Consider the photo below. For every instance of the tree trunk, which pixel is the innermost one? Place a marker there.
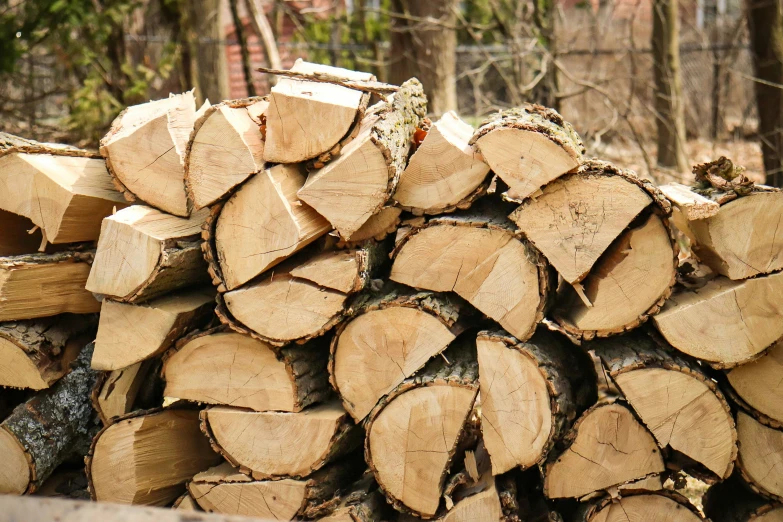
(239, 31)
(546, 90)
(208, 64)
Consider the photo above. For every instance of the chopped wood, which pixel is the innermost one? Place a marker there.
(357, 184)
(145, 151)
(484, 505)
(692, 204)
(18, 235)
(760, 458)
(527, 147)
(144, 253)
(733, 501)
(377, 228)
(757, 387)
(186, 503)
(661, 506)
(131, 333)
(323, 76)
(115, 394)
(225, 148)
(725, 323)
(362, 502)
(147, 458)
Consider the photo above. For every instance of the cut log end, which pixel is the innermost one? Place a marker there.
(760, 459)
(15, 471)
(665, 507)
(758, 385)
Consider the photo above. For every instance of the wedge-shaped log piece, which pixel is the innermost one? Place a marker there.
(679, 404)
(606, 447)
(445, 172)
(128, 333)
(759, 387)
(725, 323)
(281, 444)
(224, 490)
(36, 353)
(304, 297)
(144, 253)
(629, 283)
(691, 204)
(64, 190)
(760, 459)
(225, 148)
(148, 458)
(263, 223)
(18, 235)
(527, 147)
(145, 151)
(306, 119)
(531, 392)
(733, 501)
(477, 256)
(233, 369)
(394, 334)
(662, 506)
(42, 285)
(484, 505)
(356, 185)
(412, 434)
(115, 394)
(578, 216)
(186, 503)
(51, 427)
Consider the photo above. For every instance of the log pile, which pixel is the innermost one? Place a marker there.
(321, 305)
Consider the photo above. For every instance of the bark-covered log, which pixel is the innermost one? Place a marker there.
(757, 388)
(362, 502)
(663, 506)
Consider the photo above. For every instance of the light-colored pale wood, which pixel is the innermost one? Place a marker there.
(145, 151)
(610, 448)
(117, 393)
(760, 458)
(443, 171)
(306, 119)
(15, 471)
(147, 459)
(577, 217)
(483, 506)
(128, 333)
(264, 223)
(18, 235)
(186, 503)
(380, 225)
(725, 323)
(644, 508)
(225, 149)
(775, 515)
(336, 270)
(759, 383)
(143, 253)
(692, 204)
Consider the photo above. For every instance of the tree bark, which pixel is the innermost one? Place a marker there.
(239, 30)
(208, 64)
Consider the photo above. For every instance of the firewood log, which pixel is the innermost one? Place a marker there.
(42, 285)
(144, 253)
(394, 334)
(412, 434)
(690, 204)
(36, 353)
(378, 227)
(531, 392)
(130, 333)
(663, 506)
(362, 502)
(145, 151)
(273, 444)
(186, 503)
(225, 148)
(64, 190)
(578, 216)
(527, 147)
(304, 297)
(733, 501)
(444, 173)
(356, 185)
(232, 369)
(607, 447)
(676, 400)
(262, 224)
(725, 323)
(756, 387)
(116, 393)
(477, 256)
(147, 457)
(18, 235)
(760, 458)
(49, 428)
(307, 119)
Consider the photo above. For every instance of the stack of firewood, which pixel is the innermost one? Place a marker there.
(322, 305)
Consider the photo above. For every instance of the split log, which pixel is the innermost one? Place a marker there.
(307, 119)
(186, 503)
(145, 151)
(377, 228)
(262, 224)
(224, 490)
(733, 501)
(116, 393)
(757, 387)
(51, 427)
(576, 217)
(232, 369)
(760, 458)
(363, 502)
(484, 505)
(64, 190)
(357, 184)
(147, 458)
(444, 173)
(413, 433)
(607, 447)
(725, 323)
(129, 333)
(18, 235)
(144, 253)
(42, 285)
(691, 204)
(393, 335)
(531, 392)
(527, 147)
(629, 283)
(225, 148)
(676, 400)
(663, 506)
(37, 353)
(477, 256)
(304, 297)
(272, 444)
